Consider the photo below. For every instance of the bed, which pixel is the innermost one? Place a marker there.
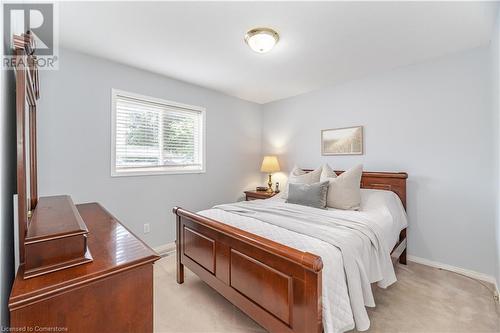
(293, 279)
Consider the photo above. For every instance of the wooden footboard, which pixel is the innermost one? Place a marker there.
(277, 286)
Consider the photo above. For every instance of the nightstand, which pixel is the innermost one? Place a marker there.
(254, 195)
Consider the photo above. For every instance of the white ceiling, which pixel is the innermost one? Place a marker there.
(321, 43)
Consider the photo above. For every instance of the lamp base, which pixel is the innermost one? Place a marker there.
(270, 184)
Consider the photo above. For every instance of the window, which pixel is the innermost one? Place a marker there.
(153, 136)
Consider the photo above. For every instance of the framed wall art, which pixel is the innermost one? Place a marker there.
(342, 141)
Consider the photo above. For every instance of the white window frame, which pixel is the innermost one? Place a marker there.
(161, 170)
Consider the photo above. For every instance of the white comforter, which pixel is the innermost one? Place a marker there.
(351, 244)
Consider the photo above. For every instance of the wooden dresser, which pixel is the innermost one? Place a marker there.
(113, 293)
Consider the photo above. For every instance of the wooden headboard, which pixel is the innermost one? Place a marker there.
(389, 181)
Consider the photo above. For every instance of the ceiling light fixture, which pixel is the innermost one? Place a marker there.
(262, 40)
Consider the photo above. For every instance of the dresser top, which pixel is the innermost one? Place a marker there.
(113, 247)
(54, 216)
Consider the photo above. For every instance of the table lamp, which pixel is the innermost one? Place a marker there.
(269, 165)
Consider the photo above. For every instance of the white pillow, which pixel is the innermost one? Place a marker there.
(299, 176)
(328, 172)
(296, 171)
(344, 191)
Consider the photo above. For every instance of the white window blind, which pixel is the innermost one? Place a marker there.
(153, 136)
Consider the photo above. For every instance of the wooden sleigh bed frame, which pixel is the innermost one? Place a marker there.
(277, 286)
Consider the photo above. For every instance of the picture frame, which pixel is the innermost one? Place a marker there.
(342, 141)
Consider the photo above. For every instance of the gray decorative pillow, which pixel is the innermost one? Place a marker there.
(299, 176)
(313, 195)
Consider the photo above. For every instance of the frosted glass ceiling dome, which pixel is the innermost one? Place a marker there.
(261, 40)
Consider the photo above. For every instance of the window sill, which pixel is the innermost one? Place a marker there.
(153, 172)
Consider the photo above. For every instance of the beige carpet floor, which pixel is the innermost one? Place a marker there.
(424, 299)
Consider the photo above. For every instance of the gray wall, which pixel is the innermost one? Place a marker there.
(74, 145)
(495, 94)
(8, 181)
(432, 120)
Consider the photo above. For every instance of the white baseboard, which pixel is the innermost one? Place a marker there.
(165, 249)
(466, 272)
